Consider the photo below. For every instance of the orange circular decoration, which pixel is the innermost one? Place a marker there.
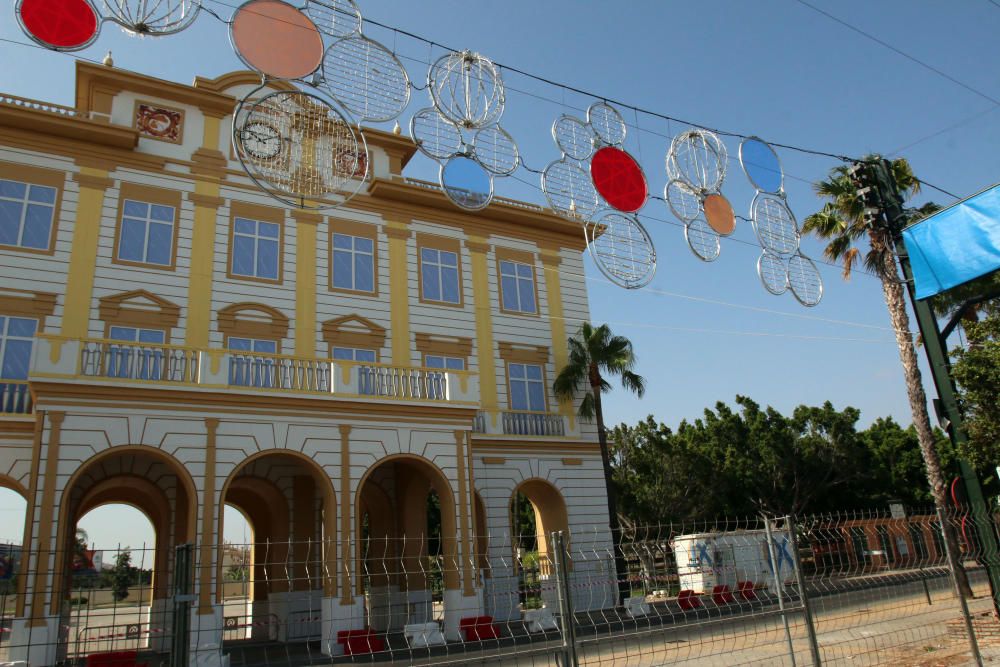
(619, 179)
(719, 214)
(276, 39)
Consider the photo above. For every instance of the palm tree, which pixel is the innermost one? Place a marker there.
(594, 352)
(841, 223)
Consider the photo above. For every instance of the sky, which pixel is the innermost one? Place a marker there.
(923, 84)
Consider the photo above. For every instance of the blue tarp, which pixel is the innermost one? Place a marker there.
(955, 245)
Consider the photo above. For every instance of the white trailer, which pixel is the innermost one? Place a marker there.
(706, 560)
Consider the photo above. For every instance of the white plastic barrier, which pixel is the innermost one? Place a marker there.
(419, 635)
(540, 620)
(637, 606)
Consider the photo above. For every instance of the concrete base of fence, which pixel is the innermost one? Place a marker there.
(458, 606)
(421, 606)
(294, 612)
(160, 621)
(36, 645)
(206, 638)
(501, 597)
(338, 617)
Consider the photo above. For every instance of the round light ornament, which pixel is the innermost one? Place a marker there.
(59, 25)
(156, 18)
(570, 191)
(496, 150)
(467, 89)
(607, 123)
(719, 214)
(366, 78)
(335, 18)
(805, 280)
(466, 182)
(774, 224)
(276, 39)
(761, 165)
(619, 179)
(300, 149)
(698, 158)
(682, 200)
(703, 241)
(574, 138)
(622, 250)
(434, 135)
(773, 273)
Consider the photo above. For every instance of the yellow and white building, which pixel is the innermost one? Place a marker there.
(172, 338)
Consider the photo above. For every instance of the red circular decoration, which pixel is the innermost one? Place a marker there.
(619, 179)
(59, 24)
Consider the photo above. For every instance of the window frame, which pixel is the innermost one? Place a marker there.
(354, 350)
(541, 381)
(440, 244)
(358, 230)
(145, 194)
(31, 175)
(6, 317)
(258, 214)
(517, 257)
(534, 355)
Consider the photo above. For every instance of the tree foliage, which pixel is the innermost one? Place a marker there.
(742, 460)
(977, 372)
(123, 575)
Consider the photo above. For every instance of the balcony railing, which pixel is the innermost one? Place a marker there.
(15, 398)
(521, 422)
(276, 372)
(167, 365)
(138, 361)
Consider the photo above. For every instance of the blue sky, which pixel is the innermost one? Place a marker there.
(774, 68)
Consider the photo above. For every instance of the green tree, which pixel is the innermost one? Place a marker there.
(122, 575)
(842, 223)
(594, 353)
(977, 372)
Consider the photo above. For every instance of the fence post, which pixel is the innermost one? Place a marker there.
(973, 644)
(778, 588)
(568, 623)
(806, 605)
(183, 596)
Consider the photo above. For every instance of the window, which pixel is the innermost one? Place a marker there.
(247, 368)
(447, 363)
(517, 287)
(147, 233)
(256, 246)
(142, 361)
(353, 263)
(354, 354)
(26, 214)
(16, 338)
(436, 381)
(527, 388)
(439, 275)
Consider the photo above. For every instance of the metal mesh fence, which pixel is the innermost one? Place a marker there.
(836, 589)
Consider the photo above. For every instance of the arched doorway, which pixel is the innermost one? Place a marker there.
(289, 504)
(407, 551)
(117, 593)
(13, 506)
(537, 509)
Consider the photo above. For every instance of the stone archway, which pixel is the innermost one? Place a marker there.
(290, 504)
(406, 558)
(152, 482)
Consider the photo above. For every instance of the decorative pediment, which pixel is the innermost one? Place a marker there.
(354, 331)
(253, 320)
(139, 308)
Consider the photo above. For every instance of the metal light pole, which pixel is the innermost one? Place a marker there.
(935, 348)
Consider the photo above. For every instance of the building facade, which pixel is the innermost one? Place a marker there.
(174, 339)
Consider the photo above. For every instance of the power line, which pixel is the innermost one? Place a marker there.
(897, 51)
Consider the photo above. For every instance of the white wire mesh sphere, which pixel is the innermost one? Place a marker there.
(467, 89)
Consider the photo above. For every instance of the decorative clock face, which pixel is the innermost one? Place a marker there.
(261, 141)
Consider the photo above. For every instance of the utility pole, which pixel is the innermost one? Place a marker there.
(879, 177)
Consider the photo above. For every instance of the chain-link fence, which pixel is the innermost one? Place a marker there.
(833, 589)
